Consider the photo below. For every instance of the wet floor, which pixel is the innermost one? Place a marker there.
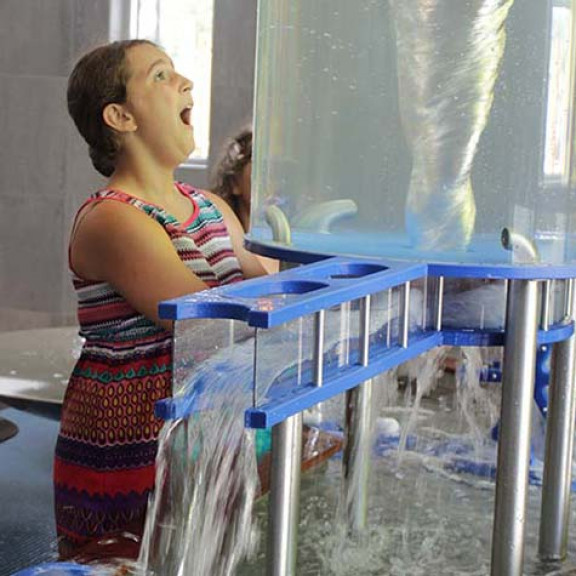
(27, 531)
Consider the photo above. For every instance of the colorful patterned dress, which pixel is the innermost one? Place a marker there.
(104, 465)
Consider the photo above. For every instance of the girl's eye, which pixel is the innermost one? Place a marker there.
(161, 75)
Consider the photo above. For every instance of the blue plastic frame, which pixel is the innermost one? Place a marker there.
(58, 569)
(259, 302)
(271, 301)
(453, 270)
(346, 378)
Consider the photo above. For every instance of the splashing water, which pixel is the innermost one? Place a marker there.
(423, 371)
(199, 520)
(425, 516)
(476, 403)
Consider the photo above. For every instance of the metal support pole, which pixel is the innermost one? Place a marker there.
(439, 304)
(284, 499)
(319, 332)
(515, 426)
(319, 337)
(557, 480)
(425, 296)
(545, 306)
(405, 316)
(390, 319)
(358, 444)
(568, 295)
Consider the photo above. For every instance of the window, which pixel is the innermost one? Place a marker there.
(184, 29)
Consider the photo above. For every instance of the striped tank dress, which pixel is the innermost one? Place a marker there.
(106, 448)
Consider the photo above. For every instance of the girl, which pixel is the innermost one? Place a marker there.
(140, 240)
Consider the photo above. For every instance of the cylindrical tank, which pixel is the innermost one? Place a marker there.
(433, 130)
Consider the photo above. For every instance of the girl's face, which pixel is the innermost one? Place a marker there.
(160, 101)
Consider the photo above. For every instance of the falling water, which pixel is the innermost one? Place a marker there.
(199, 521)
(423, 372)
(428, 513)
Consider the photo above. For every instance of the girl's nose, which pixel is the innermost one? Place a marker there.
(187, 85)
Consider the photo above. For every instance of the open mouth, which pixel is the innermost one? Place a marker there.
(186, 115)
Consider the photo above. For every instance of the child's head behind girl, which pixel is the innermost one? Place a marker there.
(232, 178)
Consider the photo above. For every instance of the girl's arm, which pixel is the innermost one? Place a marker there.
(118, 244)
(251, 264)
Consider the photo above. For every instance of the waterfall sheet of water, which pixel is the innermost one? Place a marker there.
(200, 519)
(428, 513)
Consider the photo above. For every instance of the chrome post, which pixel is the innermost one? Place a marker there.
(365, 330)
(545, 306)
(568, 297)
(284, 499)
(425, 296)
(439, 304)
(318, 357)
(405, 316)
(319, 335)
(515, 426)
(556, 486)
(358, 439)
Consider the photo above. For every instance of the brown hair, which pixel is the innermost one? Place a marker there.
(236, 155)
(98, 79)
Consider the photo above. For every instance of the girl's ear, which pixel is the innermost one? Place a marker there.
(118, 118)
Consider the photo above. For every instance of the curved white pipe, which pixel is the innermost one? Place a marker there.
(524, 249)
(276, 219)
(320, 217)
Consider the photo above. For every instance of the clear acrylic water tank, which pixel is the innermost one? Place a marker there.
(431, 130)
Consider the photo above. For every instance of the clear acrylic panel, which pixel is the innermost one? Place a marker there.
(210, 343)
(417, 130)
(283, 358)
(383, 320)
(474, 303)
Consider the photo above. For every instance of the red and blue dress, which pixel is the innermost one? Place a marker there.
(106, 449)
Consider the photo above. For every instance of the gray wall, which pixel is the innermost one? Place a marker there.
(44, 168)
(44, 171)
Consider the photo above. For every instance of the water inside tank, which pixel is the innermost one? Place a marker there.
(416, 129)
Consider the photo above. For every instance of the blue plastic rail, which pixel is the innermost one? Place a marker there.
(275, 300)
(262, 302)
